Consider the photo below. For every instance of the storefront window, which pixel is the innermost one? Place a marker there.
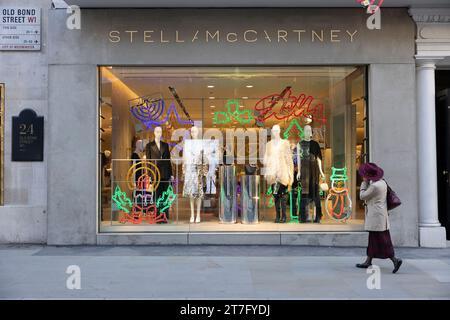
(231, 149)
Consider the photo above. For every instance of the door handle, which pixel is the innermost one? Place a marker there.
(445, 174)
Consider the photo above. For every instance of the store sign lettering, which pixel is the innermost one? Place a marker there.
(246, 36)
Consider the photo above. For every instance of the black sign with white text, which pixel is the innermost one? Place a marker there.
(27, 137)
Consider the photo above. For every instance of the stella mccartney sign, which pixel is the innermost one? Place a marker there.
(244, 36)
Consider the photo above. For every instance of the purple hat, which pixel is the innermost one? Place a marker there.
(371, 171)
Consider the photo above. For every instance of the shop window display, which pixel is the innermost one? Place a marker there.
(231, 149)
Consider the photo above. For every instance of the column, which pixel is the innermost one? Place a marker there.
(431, 233)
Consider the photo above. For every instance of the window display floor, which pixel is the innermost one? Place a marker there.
(327, 225)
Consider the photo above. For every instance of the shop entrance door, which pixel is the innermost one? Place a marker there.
(443, 156)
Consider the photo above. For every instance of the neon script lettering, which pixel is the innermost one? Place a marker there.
(285, 106)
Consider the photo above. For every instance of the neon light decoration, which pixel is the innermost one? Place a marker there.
(166, 199)
(121, 199)
(366, 3)
(298, 199)
(242, 117)
(291, 107)
(139, 214)
(271, 201)
(287, 132)
(338, 203)
(150, 170)
(150, 113)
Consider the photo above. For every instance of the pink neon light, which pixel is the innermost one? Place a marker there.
(371, 3)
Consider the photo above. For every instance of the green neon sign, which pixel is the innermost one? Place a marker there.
(121, 200)
(338, 174)
(166, 199)
(287, 132)
(243, 117)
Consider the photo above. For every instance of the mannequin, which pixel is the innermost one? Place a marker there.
(211, 152)
(155, 150)
(294, 194)
(309, 166)
(106, 167)
(193, 171)
(279, 169)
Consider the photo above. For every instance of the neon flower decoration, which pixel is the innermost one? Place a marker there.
(287, 132)
(286, 106)
(338, 203)
(121, 200)
(151, 113)
(242, 117)
(166, 199)
(366, 3)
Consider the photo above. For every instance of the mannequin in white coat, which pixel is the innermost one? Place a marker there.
(279, 171)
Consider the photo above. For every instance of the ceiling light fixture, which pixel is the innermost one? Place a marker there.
(211, 98)
(249, 86)
(212, 106)
(210, 86)
(244, 98)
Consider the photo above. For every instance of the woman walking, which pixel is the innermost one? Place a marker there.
(373, 192)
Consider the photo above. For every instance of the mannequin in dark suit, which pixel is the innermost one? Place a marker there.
(155, 150)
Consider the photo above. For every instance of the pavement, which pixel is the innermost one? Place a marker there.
(217, 272)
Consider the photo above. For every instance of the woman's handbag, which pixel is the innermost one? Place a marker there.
(393, 201)
(324, 186)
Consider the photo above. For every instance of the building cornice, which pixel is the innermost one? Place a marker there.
(430, 15)
(433, 33)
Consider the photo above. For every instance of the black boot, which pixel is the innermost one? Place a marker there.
(366, 263)
(277, 219)
(317, 219)
(397, 264)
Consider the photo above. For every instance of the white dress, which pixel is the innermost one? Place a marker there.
(193, 169)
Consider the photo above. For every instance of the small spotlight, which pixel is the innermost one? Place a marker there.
(249, 86)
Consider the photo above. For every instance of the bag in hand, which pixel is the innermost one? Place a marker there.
(393, 201)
